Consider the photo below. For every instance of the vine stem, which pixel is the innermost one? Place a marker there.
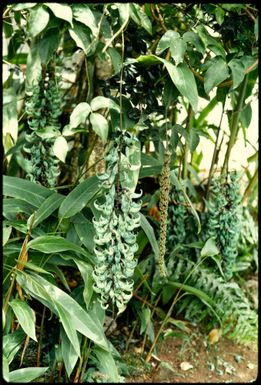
(234, 124)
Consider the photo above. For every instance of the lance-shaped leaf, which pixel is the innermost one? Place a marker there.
(148, 230)
(25, 316)
(26, 374)
(78, 198)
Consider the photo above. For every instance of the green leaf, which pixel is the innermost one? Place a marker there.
(204, 113)
(12, 343)
(219, 13)
(33, 267)
(77, 199)
(6, 234)
(10, 121)
(30, 192)
(246, 115)
(150, 171)
(216, 73)
(193, 140)
(26, 374)
(210, 42)
(21, 6)
(38, 20)
(99, 125)
(69, 355)
(82, 13)
(50, 295)
(82, 37)
(148, 230)
(25, 316)
(54, 244)
(238, 71)
(210, 248)
(33, 66)
(48, 44)
(62, 11)
(5, 369)
(60, 148)
(85, 230)
(184, 80)
(69, 328)
(166, 40)
(49, 205)
(106, 365)
(79, 115)
(193, 38)
(138, 15)
(100, 102)
(115, 59)
(174, 180)
(86, 272)
(256, 28)
(177, 49)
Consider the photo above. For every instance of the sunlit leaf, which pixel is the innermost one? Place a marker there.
(38, 20)
(60, 148)
(25, 316)
(99, 125)
(61, 11)
(26, 374)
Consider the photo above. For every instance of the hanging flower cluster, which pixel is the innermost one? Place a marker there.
(223, 219)
(115, 239)
(43, 110)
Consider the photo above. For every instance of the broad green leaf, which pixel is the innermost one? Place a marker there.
(193, 38)
(62, 11)
(49, 205)
(26, 374)
(5, 369)
(216, 73)
(48, 44)
(12, 343)
(181, 76)
(256, 28)
(115, 59)
(210, 248)
(86, 272)
(100, 125)
(69, 355)
(60, 148)
(25, 316)
(219, 13)
(6, 234)
(82, 13)
(79, 115)
(100, 102)
(33, 67)
(210, 42)
(174, 180)
(77, 199)
(140, 18)
(33, 193)
(33, 267)
(10, 121)
(106, 364)
(82, 37)
(21, 6)
(193, 140)
(148, 230)
(238, 71)
(124, 11)
(86, 232)
(204, 113)
(54, 244)
(166, 40)
(149, 160)
(38, 20)
(69, 327)
(246, 116)
(150, 171)
(50, 295)
(170, 94)
(177, 49)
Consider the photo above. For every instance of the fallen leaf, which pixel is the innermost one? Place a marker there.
(214, 336)
(185, 366)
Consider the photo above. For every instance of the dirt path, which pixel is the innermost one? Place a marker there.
(222, 362)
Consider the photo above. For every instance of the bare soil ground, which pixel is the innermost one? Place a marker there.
(222, 362)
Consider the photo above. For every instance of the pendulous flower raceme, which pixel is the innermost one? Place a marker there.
(43, 110)
(223, 219)
(118, 217)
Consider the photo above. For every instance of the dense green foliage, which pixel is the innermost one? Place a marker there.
(106, 207)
